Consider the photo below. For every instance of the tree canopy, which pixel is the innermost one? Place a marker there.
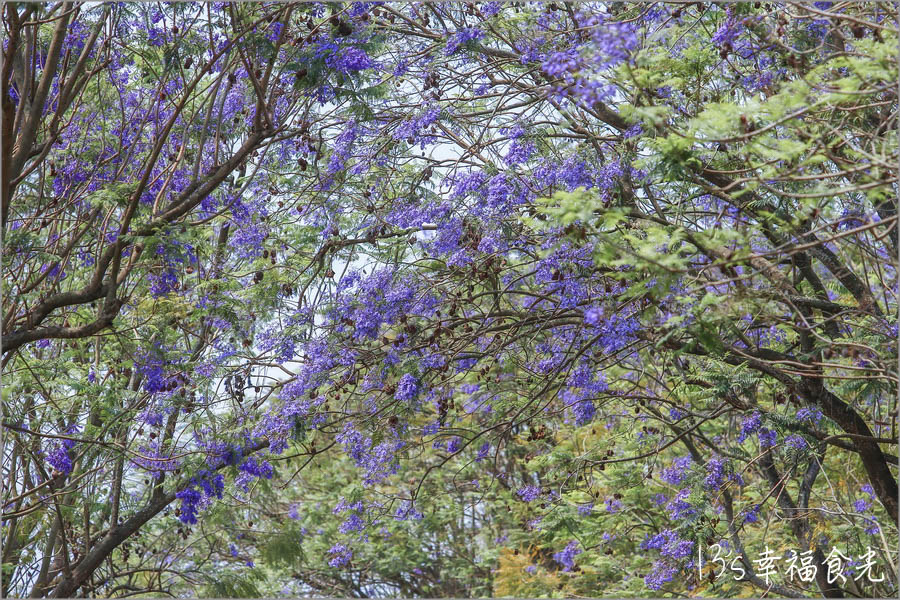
(458, 299)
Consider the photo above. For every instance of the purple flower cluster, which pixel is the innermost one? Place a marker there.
(767, 438)
(752, 514)
(715, 473)
(584, 411)
(529, 493)
(750, 426)
(593, 316)
(454, 444)
(675, 553)
(350, 60)
(407, 511)
(520, 152)
(377, 462)
(614, 41)
(677, 471)
(566, 556)
(462, 37)
(661, 574)
(483, 452)
(414, 129)
(60, 457)
(211, 485)
(353, 522)
(257, 468)
(558, 64)
(151, 458)
(340, 555)
(407, 388)
(809, 414)
(796, 442)
(727, 32)
(343, 144)
(863, 505)
(679, 508)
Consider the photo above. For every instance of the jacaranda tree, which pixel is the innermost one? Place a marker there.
(450, 299)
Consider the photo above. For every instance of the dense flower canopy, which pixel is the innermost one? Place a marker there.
(449, 299)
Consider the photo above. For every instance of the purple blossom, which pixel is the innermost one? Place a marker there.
(670, 545)
(257, 468)
(633, 131)
(407, 388)
(483, 452)
(661, 574)
(679, 507)
(559, 63)
(407, 511)
(593, 316)
(566, 557)
(462, 37)
(752, 515)
(340, 555)
(59, 458)
(520, 151)
(809, 414)
(454, 444)
(342, 146)
(164, 282)
(529, 493)
(350, 60)
(750, 425)
(715, 473)
(675, 474)
(584, 411)
(274, 31)
(211, 485)
(414, 129)
(468, 183)
(613, 505)
(675, 552)
(767, 438)
(795, 441)
(353, 523)
(377, 462)
(190, 500)
(727, 32)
